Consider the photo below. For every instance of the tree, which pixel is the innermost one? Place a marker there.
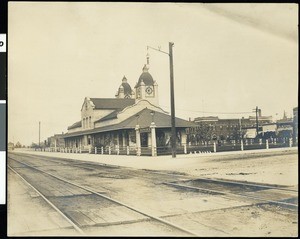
(18, 145)
(34, 145)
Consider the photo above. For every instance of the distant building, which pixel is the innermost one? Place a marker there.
(10, 146)
(56, 141)
(229, 129)
(295, 125)
(285, 127)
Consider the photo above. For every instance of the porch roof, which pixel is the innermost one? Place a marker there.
(142, 118)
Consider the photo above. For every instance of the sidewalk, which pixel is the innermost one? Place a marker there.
(274, 166)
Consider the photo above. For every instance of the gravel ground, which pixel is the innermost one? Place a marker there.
(207, 215)
(273, 166)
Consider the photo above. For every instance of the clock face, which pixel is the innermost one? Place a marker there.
(149, 90)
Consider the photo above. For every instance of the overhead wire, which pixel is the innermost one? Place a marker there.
(209, 112)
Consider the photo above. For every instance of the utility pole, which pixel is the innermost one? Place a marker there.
(256, 118)
(173, 127)
(39, 133)
(173, 130)
(240, 128)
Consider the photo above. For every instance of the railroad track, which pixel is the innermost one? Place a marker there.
(179, 181)
(94, 197)
(187, 179)
(219, 192)
(75, 163)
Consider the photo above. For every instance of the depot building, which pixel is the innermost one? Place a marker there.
(131, 121)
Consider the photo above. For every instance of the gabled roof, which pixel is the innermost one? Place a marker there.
(112, 115)
(75, 125)
(143, 118)
(111, 103)
(161, 120)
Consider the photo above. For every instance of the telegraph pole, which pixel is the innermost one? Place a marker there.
(39, 133)
(256, 119)
(256, 113)
(173, 127)
(173, 130)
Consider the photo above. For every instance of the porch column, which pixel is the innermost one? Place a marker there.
(124, 139)
(117, 138)
(153, 139)
(149, 140)
(138, 140)
(55, 144)
(183, 138)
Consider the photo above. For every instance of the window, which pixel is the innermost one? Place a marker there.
(83, 122)
(90, 122)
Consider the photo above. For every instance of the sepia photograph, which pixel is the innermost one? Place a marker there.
(152, 119)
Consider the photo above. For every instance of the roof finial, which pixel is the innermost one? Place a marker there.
(148, 58)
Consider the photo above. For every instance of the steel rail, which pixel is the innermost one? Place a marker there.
(50, 203)
(193, 178)
(235, 194)
(113, 200)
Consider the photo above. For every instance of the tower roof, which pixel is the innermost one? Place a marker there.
(145, 77)
(125, 86)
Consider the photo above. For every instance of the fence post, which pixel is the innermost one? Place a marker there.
(184, 149)
(102, 150)
(109, 150)
(127, 149)
(215, 147)
(118, 149)
(267, 144)
(95, 150)
(290, 142)
(275, 141)
(90, 150)
(242, 145)
(260, 141)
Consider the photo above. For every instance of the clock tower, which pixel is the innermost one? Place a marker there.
(146, 88)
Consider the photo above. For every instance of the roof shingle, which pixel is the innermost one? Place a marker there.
(144, 120)
(111, 103)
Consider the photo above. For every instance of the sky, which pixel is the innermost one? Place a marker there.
(228, 59)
